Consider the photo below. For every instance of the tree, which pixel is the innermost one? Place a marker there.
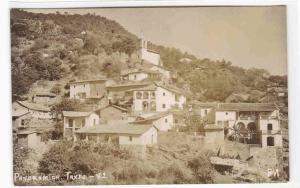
(64, 105)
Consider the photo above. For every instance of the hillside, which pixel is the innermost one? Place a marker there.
(60, 47)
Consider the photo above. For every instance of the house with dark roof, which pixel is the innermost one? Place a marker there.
(121, 133)
(35, 110)
(74, 120)
(253, 123)
(84, 89)
(163, 121)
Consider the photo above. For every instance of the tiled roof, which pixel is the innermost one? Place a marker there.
(146, 88)
(19, 113)
(34, 106)
(151, 117)
(126, 84)
(92, 80)
(170, 88)
(75, 114)
(111, 105)
(196, 104)
(258, 107)
(116, 128)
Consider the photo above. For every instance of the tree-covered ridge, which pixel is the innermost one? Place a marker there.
(61, 46)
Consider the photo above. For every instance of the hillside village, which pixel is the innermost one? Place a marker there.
(145, 108)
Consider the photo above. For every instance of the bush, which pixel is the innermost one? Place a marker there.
(202, 169)
(174, 174)
(130, 173)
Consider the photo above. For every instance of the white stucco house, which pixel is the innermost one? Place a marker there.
(74, 120)
(258, 123)
(83, 89)
(124, 134)
(157, 97)
(163, 121)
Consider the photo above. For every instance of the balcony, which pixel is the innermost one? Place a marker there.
(247, 118)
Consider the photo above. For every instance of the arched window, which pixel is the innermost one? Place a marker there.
(152, 106)
(145, 95)
(145, 106)
(138, 95)
(152, 95)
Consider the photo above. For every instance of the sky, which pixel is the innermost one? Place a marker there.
(246, 36)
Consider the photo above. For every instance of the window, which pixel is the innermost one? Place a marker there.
(145, 95)
(71, 123)
(219, 123)
(134, 77)
(163, 105)
(270, 126)
(205, 112)
(83, 85)
(166, 120)
(139, 95)
(270, 141)
(176, 120)
(94, 121)
(226, 113)
(130, 138)
(83, 122)
(153, 95)
(164, 94)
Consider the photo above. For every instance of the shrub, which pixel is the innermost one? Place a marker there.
(202, 169)
(130, 173)
(174, 174)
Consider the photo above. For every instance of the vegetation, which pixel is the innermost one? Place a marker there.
(61, 45)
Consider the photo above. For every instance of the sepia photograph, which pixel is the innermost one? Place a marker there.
(149, 95)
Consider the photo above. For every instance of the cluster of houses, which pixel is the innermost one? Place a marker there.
(145, 103)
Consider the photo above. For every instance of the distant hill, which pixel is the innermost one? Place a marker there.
(63, 47)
